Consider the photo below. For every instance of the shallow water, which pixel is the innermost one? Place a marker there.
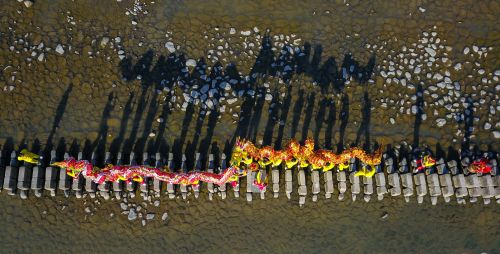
(92, 97)
(271, 225)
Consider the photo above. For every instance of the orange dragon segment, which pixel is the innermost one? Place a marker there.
(246, 153)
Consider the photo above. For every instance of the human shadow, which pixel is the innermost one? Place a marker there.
(344, 119)
(297, 112)
(284, 116)
(115, 146)
(171, 72)
(272, 119)
(308, 116)
(61, 108)
(364, 128)
(330, 124)
(320, 120)
(99, 144)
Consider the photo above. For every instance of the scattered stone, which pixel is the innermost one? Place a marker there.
(170, 47)
(41, 57)
(87, 209)
(431, 51)
(28, 3)
(59, 49)
(132, 215)
(440, 122)
(123, 206)
(191, 63)
(487, 126)
(143, 222)
(164, 216)
(104, 41)
(150, 216)
(496, 134)
(384, 215)
(157, 203)
(414, 109)
(421, 9)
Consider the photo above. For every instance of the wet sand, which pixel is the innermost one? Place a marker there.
(91, 75)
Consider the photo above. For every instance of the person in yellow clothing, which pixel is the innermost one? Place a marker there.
(29, 157)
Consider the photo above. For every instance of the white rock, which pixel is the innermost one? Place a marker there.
(191, 63)
(440, 122)
(231, 101)
(487, 126)
(164, 216)
(232, 30)
(421, 9)
(438, 76)
(123, 206)
(431, 51)
(59, 49)
(246, 33)
(41, 56)
(210, 104)
(132, 215)
(224, 85)
(170, 46)
(466, 50)
(392, 120)
(414, 109)
(104, 41)
(269, 97)
(28, 3)
(150, 216)
(496, 134)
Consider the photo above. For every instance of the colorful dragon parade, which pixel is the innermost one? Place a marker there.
(246, 156)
